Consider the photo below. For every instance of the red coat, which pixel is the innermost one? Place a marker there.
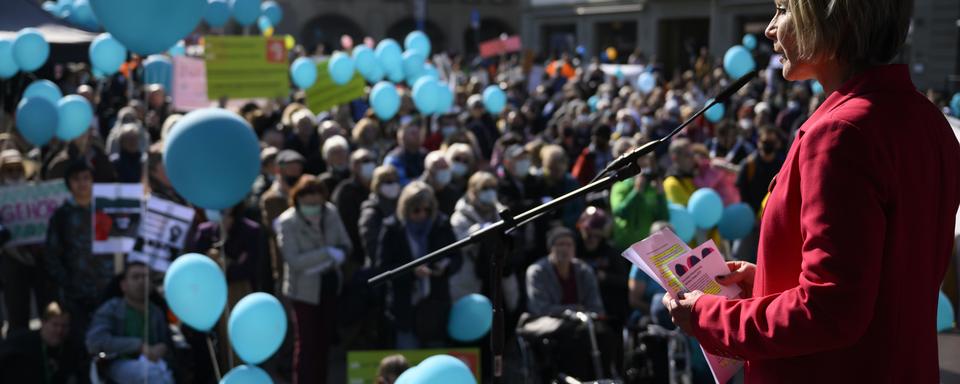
(854, 244)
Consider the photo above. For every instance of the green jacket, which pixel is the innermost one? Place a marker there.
(634, 212)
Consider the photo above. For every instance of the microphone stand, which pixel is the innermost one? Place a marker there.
(624, 167)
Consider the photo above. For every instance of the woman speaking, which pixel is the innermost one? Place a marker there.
(858, 228)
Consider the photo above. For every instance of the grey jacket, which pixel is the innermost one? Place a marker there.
(544, 292)
(304, 250)
(106, 330)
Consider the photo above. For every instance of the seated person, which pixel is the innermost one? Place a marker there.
(43, 355)
(117, 330)
(391, 367)
(561, 281)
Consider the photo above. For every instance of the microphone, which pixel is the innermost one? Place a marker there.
(632, 156)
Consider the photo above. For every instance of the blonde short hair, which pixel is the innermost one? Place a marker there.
(861, 33)
(380, 173)
(416, 193)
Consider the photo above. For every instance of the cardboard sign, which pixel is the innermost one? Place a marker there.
(189, 84)
(26, 209)
(116, 216)
(163, 233)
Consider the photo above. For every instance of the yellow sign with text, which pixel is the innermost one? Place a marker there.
(241, 67)
(325, 94)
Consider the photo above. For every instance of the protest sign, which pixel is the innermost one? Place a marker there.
(496, 47)
(116, 216)
(26, 209)
(362, 365)
(163, 233)
(189, 84)
(325, 94)
(246, 67)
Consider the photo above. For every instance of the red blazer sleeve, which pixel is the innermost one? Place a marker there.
(842, 230)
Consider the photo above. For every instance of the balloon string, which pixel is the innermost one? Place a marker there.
(213, 359)
(226, 308)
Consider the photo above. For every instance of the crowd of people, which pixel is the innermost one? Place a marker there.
(342, 196)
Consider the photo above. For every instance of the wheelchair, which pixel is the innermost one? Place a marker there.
(549, 348)
(656, 355)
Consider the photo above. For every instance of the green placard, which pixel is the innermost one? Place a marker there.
(325, 94)
(242, 67)
(362, 365)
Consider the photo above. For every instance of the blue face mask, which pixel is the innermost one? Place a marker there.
(419, 228)
(311, 210)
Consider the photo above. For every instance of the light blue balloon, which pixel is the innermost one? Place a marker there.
(444, 369)
(385, 100)
(272, 11)
(945, 314)
(148, 26)
(738, 61)
(217, 13)
(75, 117)
(494, 99)
(107, 54)
(431, 71)
(51, 7)
(646, 82)
(365, 61)
(737, 221)
(212, 176)
(8, 67)
(64, 7)
(178, 49)
(412, 66)
(816, 88)
(750, 41)
(303, 71)
(375, 75)
(706, 207)
(425, 95)
(592, 102)
(470, 318)
(716, 112)
(195, 289)
(395, 75)
(954, 104)
(30, 50)
(158, 69)
(263, 23)
(257, 327)
(408, 377)
(682, 222)
(619, 74)
(417, 41)
(82, 15)
(340, 68)
(390, 56)
(445, 97)
(246, 374)
(45, 89)
(245, 12)
(37, 120)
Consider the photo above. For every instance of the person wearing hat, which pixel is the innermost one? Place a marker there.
(288, 171)
(560, 280)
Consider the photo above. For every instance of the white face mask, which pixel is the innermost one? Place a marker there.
(459, 169)
(624, 128)
(745, 124)
(366, 170)
(390, 190)
(487, 196)
(442, 177)
(521, 168)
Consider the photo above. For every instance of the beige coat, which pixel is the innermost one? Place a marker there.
(305, 254)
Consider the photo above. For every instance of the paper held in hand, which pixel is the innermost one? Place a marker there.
(670, 262)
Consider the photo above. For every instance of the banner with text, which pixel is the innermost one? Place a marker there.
(241, 67)
(189, 84)
(325, 94)
(26, 209)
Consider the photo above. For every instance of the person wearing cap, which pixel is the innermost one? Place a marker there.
(594, 247)
(595, 157)
(482, 125)
(268, 170)
(560, 280)
(275, 200)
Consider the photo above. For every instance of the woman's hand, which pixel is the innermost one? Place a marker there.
(742, 274)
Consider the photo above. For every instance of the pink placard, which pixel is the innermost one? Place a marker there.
(189, 84)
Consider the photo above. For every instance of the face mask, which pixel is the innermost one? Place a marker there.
(442, 177)
(448, 131)
(366, 170)
(624, 128)
(340, 168)
(647, 121)
(311, 210)
(459, 169)
(291, 180)
(521, 168)
(390, 190)
(487, 196)
(745, 124)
